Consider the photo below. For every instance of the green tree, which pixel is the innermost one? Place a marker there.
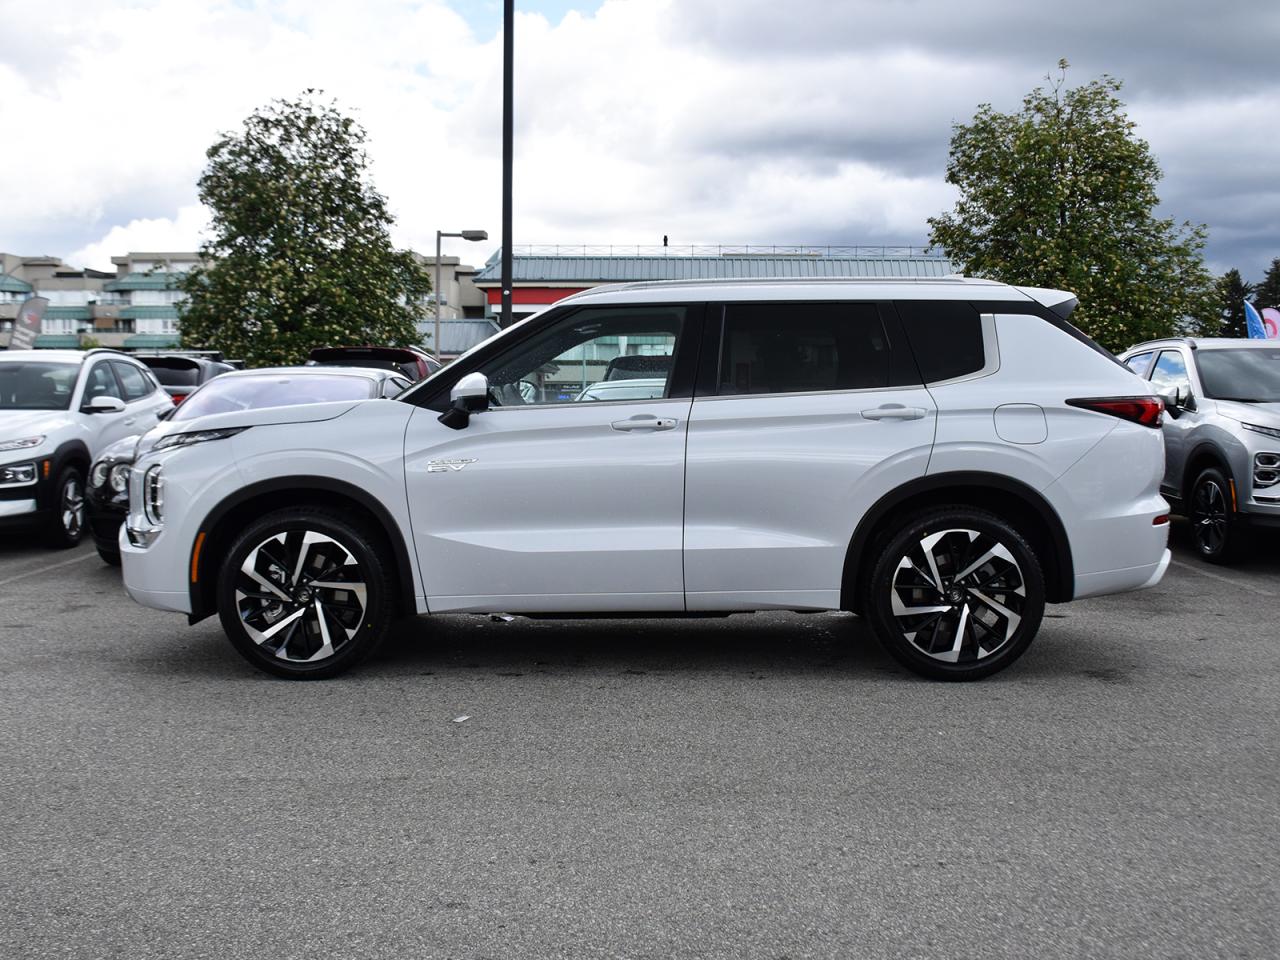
(1233, 291)
(299, 255)
(1062, 194)
(1267, 293)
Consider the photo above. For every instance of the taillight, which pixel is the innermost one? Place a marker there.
(1144, 410)
(178, 398)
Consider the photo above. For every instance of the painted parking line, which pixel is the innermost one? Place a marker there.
(52, 566)
(1214, 576)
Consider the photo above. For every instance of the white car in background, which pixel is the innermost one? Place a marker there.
(58, 410)
(944, 457)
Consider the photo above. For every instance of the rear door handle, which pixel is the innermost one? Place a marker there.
(645, 422)
(129, 421)
(894, 411)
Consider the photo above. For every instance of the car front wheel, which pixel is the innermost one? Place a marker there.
(1218, 532)
(66, 527)
(956, 594)
(305, 593)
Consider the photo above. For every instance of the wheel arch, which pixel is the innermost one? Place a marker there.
(1205, 454)
(69, 453)
(227, 518)
(1034, 516)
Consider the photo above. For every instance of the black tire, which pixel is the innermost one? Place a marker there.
(67, 525)
(1216, 530)
(110, 557)
(1000, 578)
(277, 627)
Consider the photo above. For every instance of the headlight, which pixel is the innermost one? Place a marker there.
(22, 444)
(17, 474)
(119, 477)
(98, 475)
(1265, 431)
(153, 495)
(196, 436)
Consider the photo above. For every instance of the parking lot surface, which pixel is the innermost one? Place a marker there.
(758, 786)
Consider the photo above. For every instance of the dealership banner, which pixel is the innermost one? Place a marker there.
(26, 326)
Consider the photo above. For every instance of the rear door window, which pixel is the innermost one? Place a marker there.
(785, 347)
(1139, 363)
(946, 337)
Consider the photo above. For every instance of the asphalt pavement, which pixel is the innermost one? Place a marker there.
(759, 786)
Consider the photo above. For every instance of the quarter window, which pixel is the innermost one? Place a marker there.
(594, 355)
(803, 348)
(946, 337)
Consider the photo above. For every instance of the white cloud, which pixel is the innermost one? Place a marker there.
(157, 234)
(641, 118)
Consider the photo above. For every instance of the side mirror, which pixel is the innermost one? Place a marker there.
(104, 405)
(1175, 401)
(469, 395)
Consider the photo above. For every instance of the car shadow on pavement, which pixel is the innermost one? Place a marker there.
(1262, 555)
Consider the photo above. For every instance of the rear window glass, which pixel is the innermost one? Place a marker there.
(228, 394)
(803, 347)
(946, 336)
(177, 376)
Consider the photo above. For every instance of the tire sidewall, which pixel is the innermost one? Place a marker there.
(895, 547)
(59, 537)
(1232, 534)
(366, 550)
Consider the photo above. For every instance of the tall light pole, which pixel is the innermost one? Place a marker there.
(508, 104)
(465, 235)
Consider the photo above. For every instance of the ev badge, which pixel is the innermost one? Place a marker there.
(444, 466)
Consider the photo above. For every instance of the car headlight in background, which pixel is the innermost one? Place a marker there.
(1265, 431)
(17, 474)
(22, 444)
(119, 477)
(98, 475)
(196, 436)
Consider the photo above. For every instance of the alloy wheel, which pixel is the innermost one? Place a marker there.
(301, 596)
(72, 507)
(958, 595)
(1209, 516)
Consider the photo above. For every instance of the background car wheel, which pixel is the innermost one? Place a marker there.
(109, 557)
(66, 528)
(956, 594)
(1219, 535)
(304, 593)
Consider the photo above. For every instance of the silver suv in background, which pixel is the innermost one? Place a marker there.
(1222, 434)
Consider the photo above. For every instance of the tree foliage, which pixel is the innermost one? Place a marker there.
(1233, 291)
(1062, 194)
(1267, 293)
(300, 255)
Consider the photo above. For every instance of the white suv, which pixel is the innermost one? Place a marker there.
(941, 456)
(58, 410)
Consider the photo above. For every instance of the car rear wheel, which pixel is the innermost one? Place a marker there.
(1219, 535)
(956, 594)
(305, 593)
(66, 527)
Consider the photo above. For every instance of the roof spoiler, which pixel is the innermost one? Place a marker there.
(1058, 302)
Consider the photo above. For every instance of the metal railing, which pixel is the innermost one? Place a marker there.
(718, 250)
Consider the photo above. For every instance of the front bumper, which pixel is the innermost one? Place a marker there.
(29, 503)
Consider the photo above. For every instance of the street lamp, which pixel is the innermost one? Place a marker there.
(465, 235)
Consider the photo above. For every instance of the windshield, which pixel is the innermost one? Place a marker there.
(228, 394)
(37, 385)
(1251, 375)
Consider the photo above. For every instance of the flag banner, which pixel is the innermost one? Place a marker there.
(26, 326)
(1271, 323)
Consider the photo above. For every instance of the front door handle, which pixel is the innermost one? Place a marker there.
(645, 422)
(129, 421)
(894, 411)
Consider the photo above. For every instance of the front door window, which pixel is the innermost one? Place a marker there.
(595, 355)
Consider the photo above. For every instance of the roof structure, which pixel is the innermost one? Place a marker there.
(611, 269)
(144, 281)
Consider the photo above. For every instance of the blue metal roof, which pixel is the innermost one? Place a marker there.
(570, 269)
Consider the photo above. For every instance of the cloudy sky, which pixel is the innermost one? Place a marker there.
(749, 121)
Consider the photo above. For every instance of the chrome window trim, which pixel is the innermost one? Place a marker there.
(806, 393)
